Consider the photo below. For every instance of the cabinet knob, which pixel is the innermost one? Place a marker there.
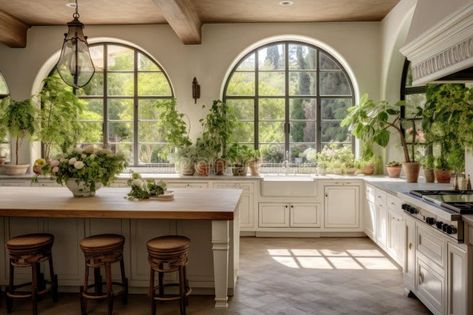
(326, 195)
(292, 206)
(410, 245)
(421, 277)
(285, 206)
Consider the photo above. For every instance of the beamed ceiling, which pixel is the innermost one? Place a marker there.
(184, 16)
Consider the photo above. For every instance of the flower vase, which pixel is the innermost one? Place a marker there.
(82, 189)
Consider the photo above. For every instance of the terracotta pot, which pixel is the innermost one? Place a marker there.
(2, 160)
(394, 171)
(15, 170)
(429, 175)
(368, 169)
(202, 168)
(254, 168)
(350, 171)
(411, 169)
(220, 166)
(239, 170)
(443, 176)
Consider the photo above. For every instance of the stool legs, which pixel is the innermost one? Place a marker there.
(124, 281)
(182, 290)
(54, 282)
(98, 280)
(151, 291)
(34, 287)
(11, 288)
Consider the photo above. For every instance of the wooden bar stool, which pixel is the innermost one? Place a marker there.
(168, 254)
(31, 250)
(102, 251)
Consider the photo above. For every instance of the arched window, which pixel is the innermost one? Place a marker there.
(121, 99)
(411, 94)
(4, 144)
(290, 96)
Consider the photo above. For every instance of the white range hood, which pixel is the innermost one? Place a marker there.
(440, 41)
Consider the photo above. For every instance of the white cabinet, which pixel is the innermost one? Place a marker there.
(430, 285)
(381, 218)
(273, 215)
(342, 208)
(457, 283)
(304, 215)
(295, 215)
(188, 184)
(410, 253)
(396, 230)
(369, 219)
(247, 203)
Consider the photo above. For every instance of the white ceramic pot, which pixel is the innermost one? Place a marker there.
(15, 170)
(80, 188)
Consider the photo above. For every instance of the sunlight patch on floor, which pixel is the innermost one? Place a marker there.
(327, 259)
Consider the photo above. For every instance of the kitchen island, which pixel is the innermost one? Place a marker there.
(208, 217)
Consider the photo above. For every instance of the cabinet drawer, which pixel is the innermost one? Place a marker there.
(186, 184)
(380, 197)
(273, 215)
(431, 246)
(393, 203)
(246, 187)
(430, 286)
(370, 193)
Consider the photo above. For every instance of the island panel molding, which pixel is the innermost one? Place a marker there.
(57, 202)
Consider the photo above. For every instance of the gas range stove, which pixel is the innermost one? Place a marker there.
(460, 201)
(440, 209)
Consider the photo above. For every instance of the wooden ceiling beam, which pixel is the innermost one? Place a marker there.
(183, 18)
(12, 31)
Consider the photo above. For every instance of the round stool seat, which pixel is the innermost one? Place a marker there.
(168, 245)
(103, 243)
(30, 243)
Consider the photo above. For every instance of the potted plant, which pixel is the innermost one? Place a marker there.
(185, 158)
(3, 156)
(254, 162)
(442, 170)
(18, 117)
(218, 127)
(371, 122)
(205, 154)
(394, 169)
(427, 163)
(239, 156)
(347, 159)
(58, 117)
(84, 171)
(173, 128)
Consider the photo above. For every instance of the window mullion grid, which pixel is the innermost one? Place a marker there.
(287, 125)
(135, 110)
(105, 98)
(318, 111)
(256, 103)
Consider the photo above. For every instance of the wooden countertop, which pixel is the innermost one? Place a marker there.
(58, 202)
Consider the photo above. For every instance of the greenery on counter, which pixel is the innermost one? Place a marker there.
(144, 189)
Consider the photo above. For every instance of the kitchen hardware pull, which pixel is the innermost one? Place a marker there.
(410, 245)
(421, 277)
(326, 195)
(292, 206)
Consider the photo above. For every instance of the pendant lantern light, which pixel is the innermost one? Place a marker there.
(75, 66)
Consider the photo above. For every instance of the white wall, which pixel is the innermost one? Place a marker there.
(357, 43)
(394, 29)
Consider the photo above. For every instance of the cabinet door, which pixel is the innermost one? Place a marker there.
(304, 215)
(381, 224)
(192, 184)
(342, 206)
(274, 215)
(430, 286)
(457, 287)
(246, 207)
(369, 219)
(410, 256)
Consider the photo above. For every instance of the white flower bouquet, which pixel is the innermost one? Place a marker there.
(89, 168)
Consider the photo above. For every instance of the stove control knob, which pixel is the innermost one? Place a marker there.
(451, 229)
(439, 224)
(430, 220)
(405, 206)
(414, 210)
(444, 227)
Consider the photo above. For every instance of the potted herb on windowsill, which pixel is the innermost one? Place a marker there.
(254, 162)
(371, 122)
(205, 154)
(394, 169)
(239, 156)
(185, 159)
(427, 163)
(18, 117)
(218, 127)
(442, 171)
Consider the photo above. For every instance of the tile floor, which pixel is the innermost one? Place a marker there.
(292, 276)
